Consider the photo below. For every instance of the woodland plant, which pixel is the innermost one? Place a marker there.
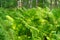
(29, 24)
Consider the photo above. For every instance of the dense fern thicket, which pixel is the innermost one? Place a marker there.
(29, 24)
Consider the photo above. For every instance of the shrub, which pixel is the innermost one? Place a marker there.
(30, 24)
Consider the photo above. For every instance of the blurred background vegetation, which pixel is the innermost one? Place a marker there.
(30, 3)
(29, 19)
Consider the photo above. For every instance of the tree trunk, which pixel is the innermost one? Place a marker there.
(56, 4)
(19, 3)
(36, 3)
(30, 3)
(50, 4)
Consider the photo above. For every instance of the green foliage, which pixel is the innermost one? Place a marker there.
(29, 24)
(8, 3)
